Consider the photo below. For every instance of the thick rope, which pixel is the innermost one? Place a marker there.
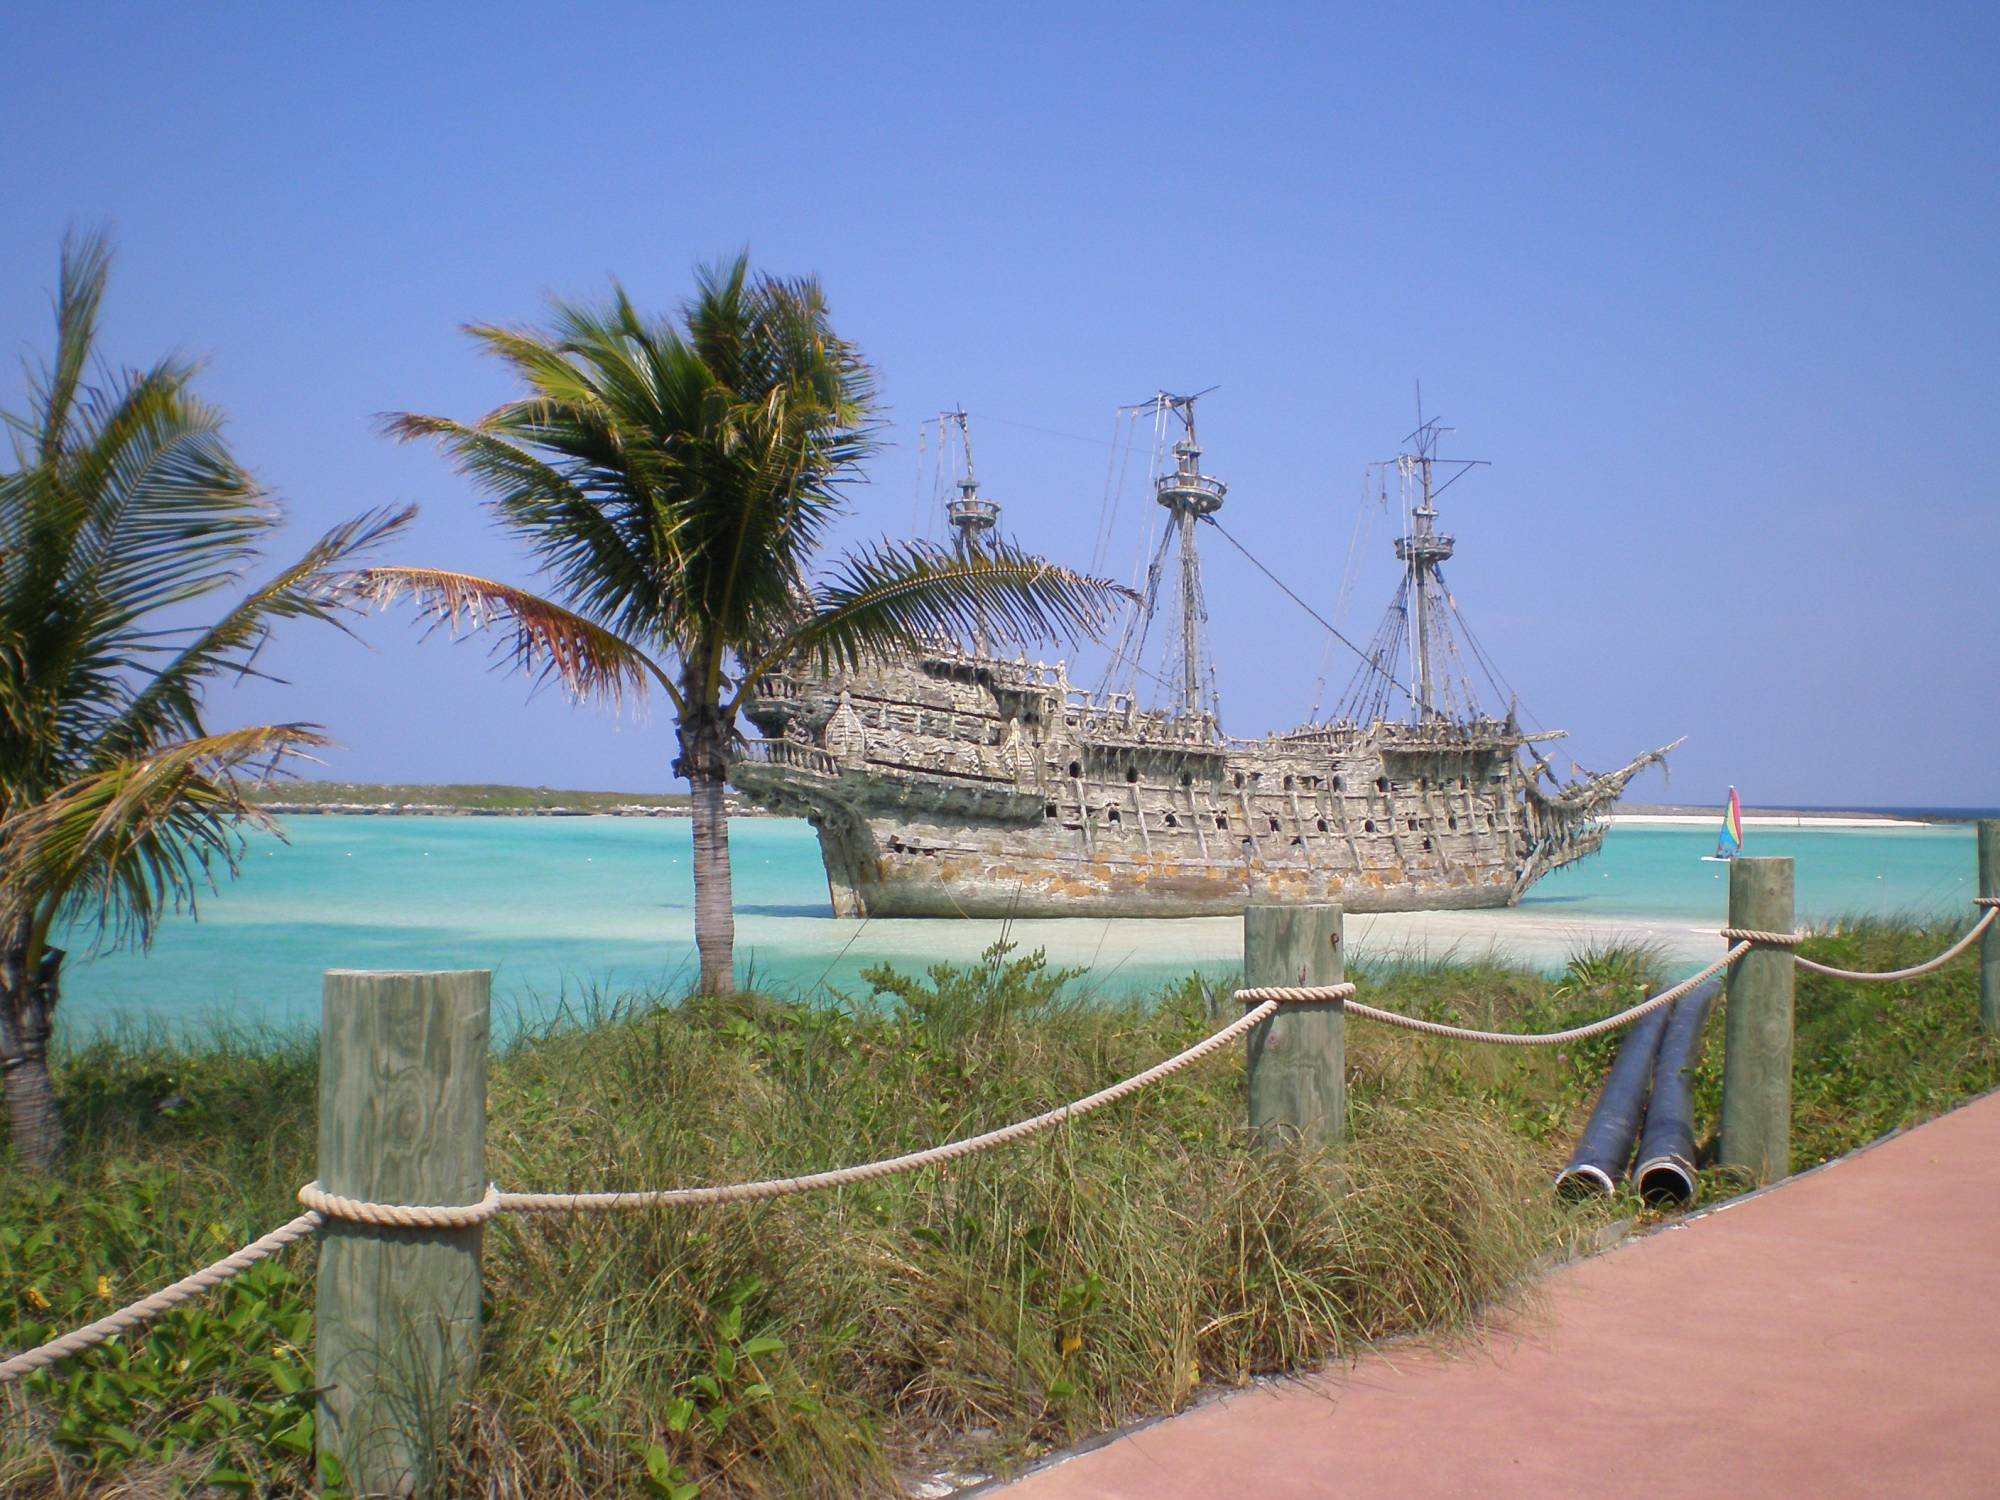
(1554, 1038)
(1294, 994)
(1761, 939)
(780, 1187)
(165, 1299)
(1986, 919)
(399, 1215)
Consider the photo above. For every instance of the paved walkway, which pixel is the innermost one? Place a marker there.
(1839, 1336)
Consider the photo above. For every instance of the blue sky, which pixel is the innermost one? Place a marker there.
(1713, 288)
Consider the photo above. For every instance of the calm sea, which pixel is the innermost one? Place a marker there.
(564, 909)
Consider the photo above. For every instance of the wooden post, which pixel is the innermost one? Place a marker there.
(1298, 1058)
(1757, 1031)
(402, 1120)
(1989, 941)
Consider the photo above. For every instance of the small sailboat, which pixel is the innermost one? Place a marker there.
(1729, 843)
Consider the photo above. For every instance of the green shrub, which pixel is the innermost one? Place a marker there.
(839, 1343)
(218, 1391)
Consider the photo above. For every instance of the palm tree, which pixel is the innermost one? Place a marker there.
(122, 508)
(677, 478)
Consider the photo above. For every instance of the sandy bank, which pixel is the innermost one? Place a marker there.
(1767, 820)
(1523, 936)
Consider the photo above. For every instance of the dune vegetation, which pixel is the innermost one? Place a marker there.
(952, 1322)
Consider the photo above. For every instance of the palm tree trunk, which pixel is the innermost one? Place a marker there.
(28, 994)
(704, 760)
(714, 897)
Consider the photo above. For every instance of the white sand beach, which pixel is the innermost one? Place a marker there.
(1521, 935)
(1767, 820)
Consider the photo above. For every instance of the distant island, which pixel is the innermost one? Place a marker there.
(469, 800)
(1802, 817)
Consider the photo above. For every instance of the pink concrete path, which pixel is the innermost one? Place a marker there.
(1839, 1336)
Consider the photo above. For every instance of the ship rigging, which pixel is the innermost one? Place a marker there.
(948, 781)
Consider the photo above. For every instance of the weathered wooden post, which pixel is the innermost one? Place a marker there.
(1298, 1058)
(1757, 1030)
(402, 1120)
(1989, 941)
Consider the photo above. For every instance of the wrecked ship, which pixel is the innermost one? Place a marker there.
(956, 782)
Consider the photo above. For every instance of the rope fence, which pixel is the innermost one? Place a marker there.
(1554, 1038)
(742, 1192)
(165, 1300)
(1750, 936)
(1266, 1002)
(321, 1205)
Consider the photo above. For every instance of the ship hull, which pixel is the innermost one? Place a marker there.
(953, 785)
(995, 873)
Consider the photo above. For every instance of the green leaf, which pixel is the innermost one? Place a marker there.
(123, 1437)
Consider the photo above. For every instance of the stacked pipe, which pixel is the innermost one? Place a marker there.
(1666, 1148)
(1647, 1100)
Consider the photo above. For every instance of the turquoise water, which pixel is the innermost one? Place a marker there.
(566, 908)
(1658, 872)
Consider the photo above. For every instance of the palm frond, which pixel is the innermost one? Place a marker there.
(86, 268)
(548, 641)
(166, 512)
(316, 586)
(137, 838)
(602, 553)
(674, 476)
(904, 594)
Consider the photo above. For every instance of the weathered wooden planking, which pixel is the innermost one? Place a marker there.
(1757, 1026)
(1989, 942)
(403, 1121)
(1298, 1058)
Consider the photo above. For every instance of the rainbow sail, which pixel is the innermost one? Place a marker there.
(1730, 843)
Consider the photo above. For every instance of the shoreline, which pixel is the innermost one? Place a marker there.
(464, 800)
(1768, 820)
(666, 810)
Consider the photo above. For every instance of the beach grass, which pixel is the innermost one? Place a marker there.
(956, 1321)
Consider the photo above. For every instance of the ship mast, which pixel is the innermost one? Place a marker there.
(1188, 495)
(971, 515)
(1423, 621)
(1421, 551)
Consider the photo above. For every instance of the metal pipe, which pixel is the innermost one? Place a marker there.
(1605, 1147)
(1666, 1171)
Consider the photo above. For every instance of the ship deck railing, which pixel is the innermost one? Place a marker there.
(781, 686)
(790, 754)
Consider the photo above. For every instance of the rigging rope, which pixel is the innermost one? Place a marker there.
(1495, 678)
(1319, 618)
